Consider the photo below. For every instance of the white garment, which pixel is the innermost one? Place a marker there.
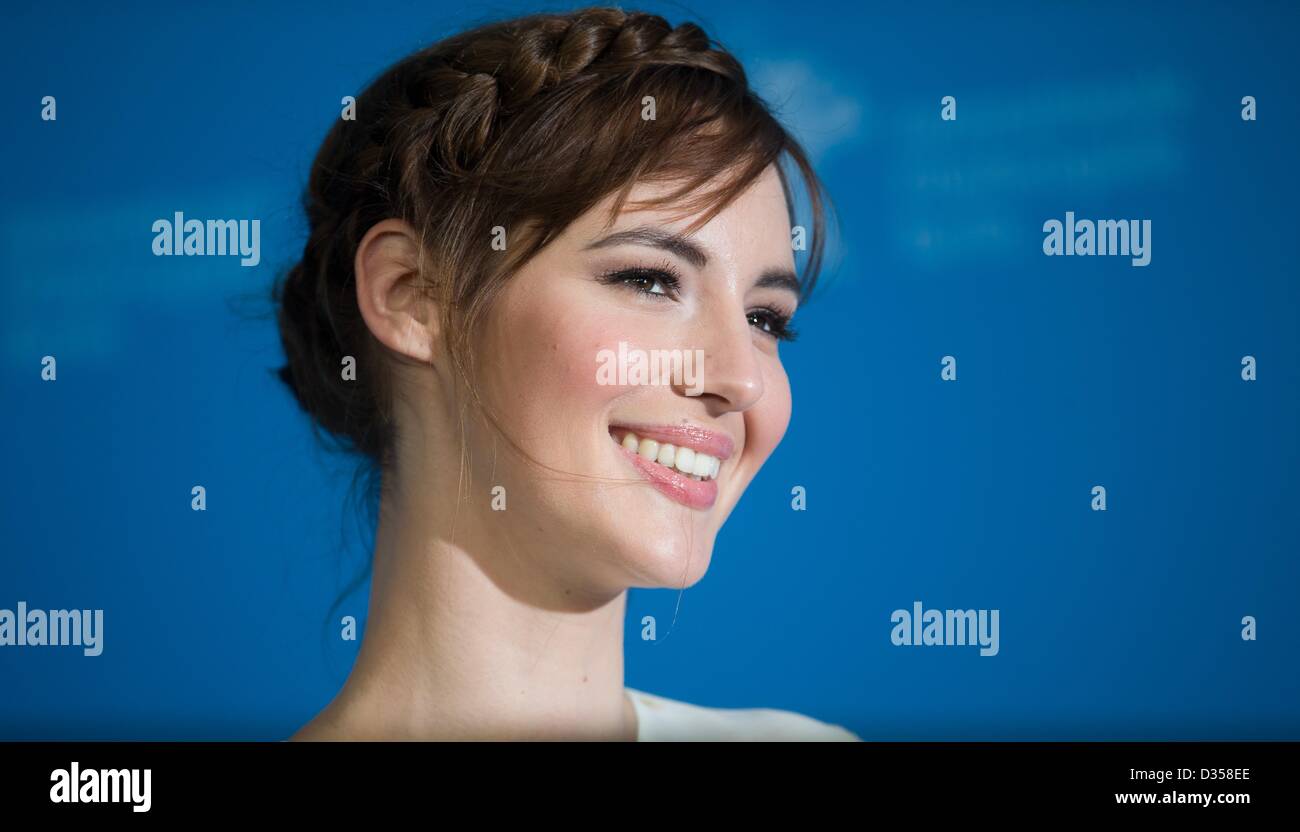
(660, 719)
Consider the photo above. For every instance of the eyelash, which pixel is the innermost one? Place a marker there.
(670, 278)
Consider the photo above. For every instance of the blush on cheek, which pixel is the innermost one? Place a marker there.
(573, 346)
(545, 376)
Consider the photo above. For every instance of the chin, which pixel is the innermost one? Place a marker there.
(675, 561)
(629, 535)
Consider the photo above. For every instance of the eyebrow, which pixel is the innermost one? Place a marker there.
(692, 253)
(779, 279)
(647, 235)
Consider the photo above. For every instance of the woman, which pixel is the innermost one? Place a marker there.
(509, 210)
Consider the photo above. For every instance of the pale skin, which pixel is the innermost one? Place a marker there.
(488, 624)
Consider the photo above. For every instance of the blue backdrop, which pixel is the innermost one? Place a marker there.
(1073, 372)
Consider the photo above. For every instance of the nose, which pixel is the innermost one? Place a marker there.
(730, 376)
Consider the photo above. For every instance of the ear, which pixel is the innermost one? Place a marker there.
(393, 304)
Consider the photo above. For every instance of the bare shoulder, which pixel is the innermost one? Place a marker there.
(318, 730)
(329, 725)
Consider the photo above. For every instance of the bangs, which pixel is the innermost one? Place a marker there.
(707, 136)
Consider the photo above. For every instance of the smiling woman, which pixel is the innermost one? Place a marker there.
(639, 187)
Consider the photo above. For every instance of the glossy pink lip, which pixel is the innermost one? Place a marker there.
(697, 494)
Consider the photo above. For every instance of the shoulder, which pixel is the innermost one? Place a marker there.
(663, 719)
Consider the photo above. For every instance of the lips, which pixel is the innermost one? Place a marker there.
(698, 452)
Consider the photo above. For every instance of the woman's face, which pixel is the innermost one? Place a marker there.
(560, 362)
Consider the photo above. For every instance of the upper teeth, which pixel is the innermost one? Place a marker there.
(690, 462)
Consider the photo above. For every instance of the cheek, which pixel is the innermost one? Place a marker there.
(541, 369)
(767, 420)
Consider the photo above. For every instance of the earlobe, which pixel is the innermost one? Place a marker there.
(395, 306)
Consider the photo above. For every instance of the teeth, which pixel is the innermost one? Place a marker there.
(686, 460)
(667, 453)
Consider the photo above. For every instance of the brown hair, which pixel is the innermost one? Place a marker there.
(524, 124)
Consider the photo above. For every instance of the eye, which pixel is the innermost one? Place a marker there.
(658, 281)
(772, 322)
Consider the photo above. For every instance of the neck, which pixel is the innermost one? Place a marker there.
(472, 638)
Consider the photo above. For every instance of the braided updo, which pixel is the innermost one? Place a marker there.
(524, 124)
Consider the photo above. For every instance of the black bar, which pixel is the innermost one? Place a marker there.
(330, 780)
